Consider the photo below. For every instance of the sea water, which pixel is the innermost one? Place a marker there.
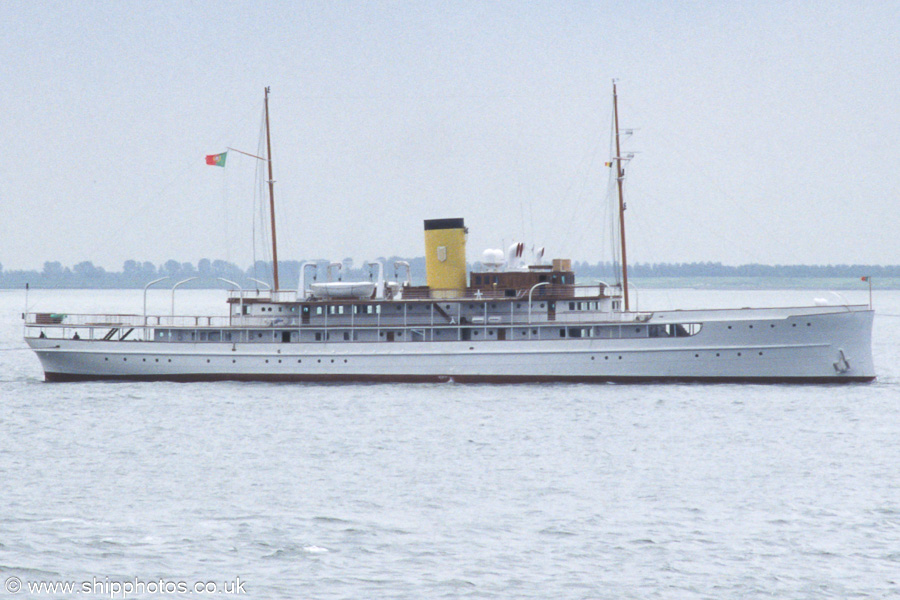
(149, 490)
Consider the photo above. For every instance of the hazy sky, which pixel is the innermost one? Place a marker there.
(765, 131)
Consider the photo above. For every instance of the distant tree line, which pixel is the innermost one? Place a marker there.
(209, 273)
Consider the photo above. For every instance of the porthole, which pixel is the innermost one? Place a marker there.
(808, 324)
(751, 327)
(319, 360)
(760, 353)
(729, 327)
(124, 360)
(170, 360)
(739, 353)
(605, 358)
(233, 361)
(772, 325)
(696, 356)
(717, 354)
(345, 360)
(592, 358)
(207, 360)
(107, 358)
(620, 358)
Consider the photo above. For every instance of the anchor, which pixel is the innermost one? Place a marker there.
(842, 365)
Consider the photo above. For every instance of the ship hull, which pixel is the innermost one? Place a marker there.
(755, 345)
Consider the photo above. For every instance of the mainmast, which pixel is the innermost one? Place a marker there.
(620, 176)
(272, 200)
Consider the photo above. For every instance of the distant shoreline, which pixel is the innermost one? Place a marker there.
(218, 274)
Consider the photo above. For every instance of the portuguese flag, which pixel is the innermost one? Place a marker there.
(216, 160)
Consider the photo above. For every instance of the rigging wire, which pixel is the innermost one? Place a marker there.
(612, 205)
(259, 205)
(578, 196)
(225, 213)
(150, 203)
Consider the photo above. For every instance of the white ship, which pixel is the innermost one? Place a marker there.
(509, 322)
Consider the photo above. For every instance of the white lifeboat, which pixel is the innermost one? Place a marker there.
(343, 289)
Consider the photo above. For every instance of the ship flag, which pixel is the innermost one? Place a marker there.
(216, 160)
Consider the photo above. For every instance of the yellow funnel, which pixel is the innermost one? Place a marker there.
(445, 255)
